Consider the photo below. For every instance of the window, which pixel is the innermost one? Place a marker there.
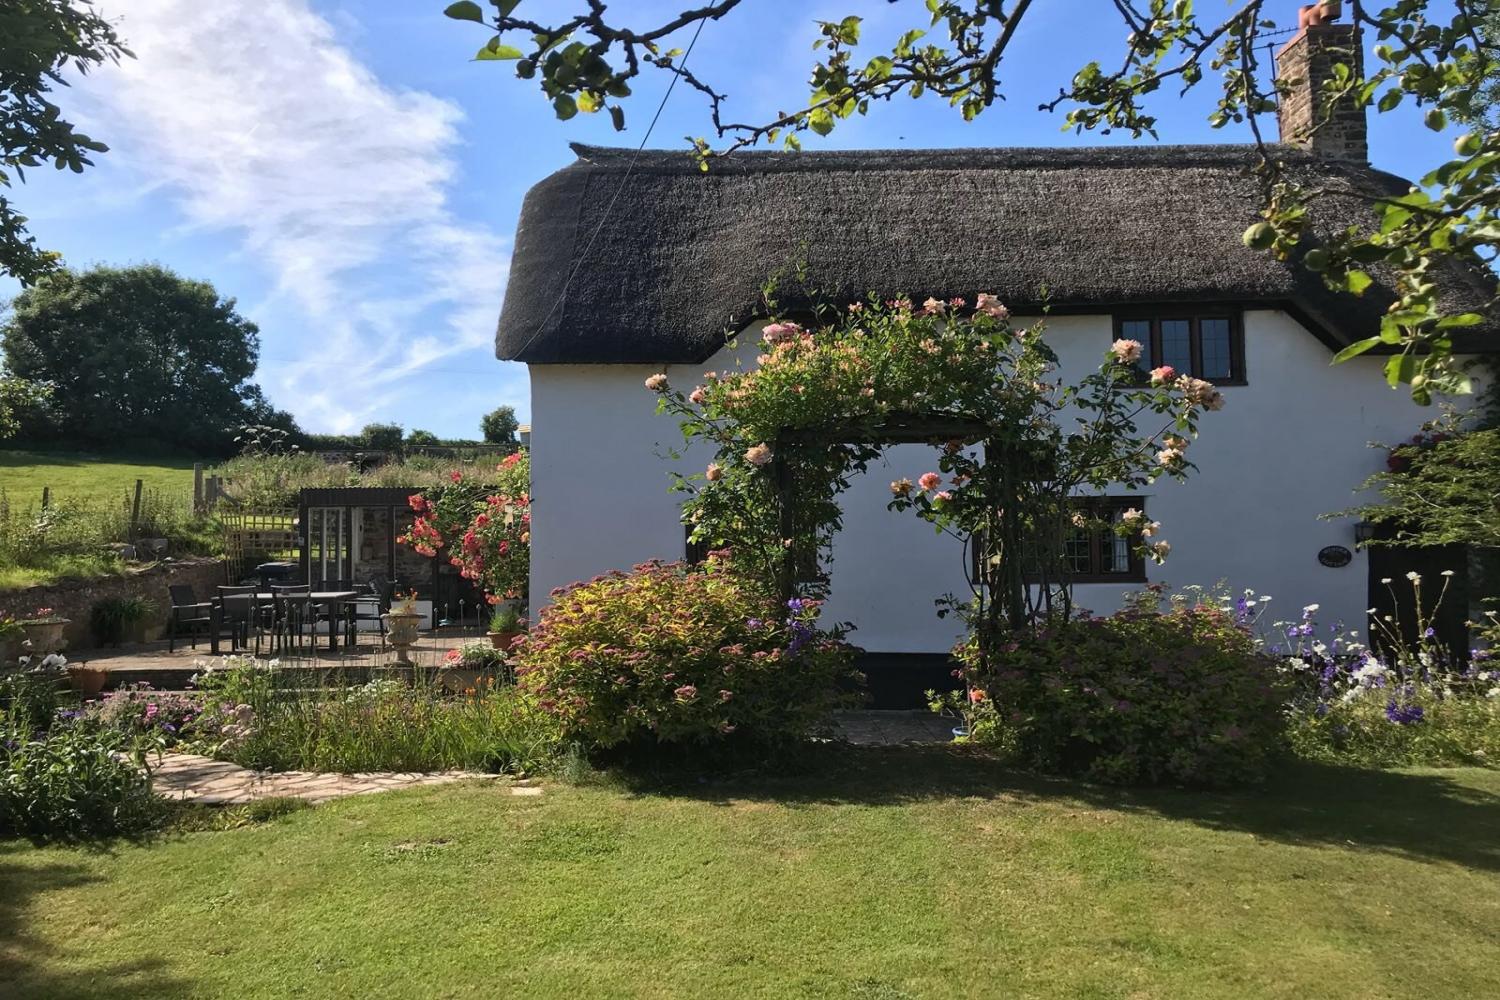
(1205, 345)
(1091, 555)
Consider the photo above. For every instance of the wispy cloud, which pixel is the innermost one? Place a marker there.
(257, 122)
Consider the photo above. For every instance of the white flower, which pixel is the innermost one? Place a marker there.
(1414, 576)
(1310, 609)
(1447, 572)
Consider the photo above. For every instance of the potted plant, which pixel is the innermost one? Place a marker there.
(401, 624)
(44, 631)
(474, 665)
(120, 619)
(86, 680)
(506, 625)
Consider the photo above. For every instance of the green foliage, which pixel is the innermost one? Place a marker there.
(382, 437)
(1459, 726)
(1442, 59)
(39, 41)
(421, 439)
(135, 351)
(115, 618)
(1181, 697)
(668, 654)
(505, 619)
(1442, 487)
(18, 397)
(29, 699)
(273, 482)
(73, 783)
(499, 425)
(262, 716)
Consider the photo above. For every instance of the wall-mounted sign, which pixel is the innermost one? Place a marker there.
(1334, 556)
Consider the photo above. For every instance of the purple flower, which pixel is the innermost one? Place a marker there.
(1403, 715)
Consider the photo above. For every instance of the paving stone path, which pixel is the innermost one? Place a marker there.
(881, 728)
(215, 782)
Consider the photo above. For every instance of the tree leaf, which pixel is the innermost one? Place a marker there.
(1355, 349)
(465, 10)
(1462, 319)
(487, 53)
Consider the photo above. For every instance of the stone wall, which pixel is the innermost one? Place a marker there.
(73, 599)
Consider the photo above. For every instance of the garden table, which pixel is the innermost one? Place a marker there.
(325, 598)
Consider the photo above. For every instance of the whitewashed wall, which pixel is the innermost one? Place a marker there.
(1286, 448)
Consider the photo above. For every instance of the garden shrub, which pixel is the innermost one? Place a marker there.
(674, 654)
(73, 782)
(1142, 697)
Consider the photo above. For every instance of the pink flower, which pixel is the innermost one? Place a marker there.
(990, 305)
(1158, 550)
(1163, 375)
(758, 455)
(697, 396)
(901, 487)
(725, 695)
(1131, 517)
(1169, 458)
(930, 481)
(714, 472)
(943, 495)
(455, 475)
(1127, 352)
(1200, 393)
(685, 694)
(932, 307)
(657, 382)
(1150, 528)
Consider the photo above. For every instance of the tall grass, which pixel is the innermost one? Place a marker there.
(263, 716)
(74, 537)
(272, 482)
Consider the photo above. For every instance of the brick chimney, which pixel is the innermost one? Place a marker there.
(1304, 64)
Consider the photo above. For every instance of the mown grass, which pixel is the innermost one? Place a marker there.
(89, 478)
(872, 874)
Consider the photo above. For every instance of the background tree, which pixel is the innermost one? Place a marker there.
(422, 439)
(135, 353)
(499, 425)
(382, 437)
(39, 40)
(1436, 56)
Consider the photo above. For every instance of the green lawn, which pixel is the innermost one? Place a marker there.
(879, 874)
(89, 478)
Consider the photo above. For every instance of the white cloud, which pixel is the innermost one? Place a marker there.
(259, 123)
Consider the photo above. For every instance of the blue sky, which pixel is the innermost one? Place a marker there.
(349, 175)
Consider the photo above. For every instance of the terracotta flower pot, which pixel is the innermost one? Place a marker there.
(503, 641)
(87, 681)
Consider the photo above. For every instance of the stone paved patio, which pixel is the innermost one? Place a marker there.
(215, 782)
(880, 728)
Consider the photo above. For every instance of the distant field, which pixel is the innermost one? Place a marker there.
(87, 477)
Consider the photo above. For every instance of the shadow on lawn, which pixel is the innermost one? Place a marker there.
(1425, 816)
(28, 965)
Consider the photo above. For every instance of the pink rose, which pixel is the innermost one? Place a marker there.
(657, 382)
(930, 481)
(1127, 352)
(1163, 375)
(697, 396)
(901, 487)
(758, 455)
(714, 473)
(990, 305)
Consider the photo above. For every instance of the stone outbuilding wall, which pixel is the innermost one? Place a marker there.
(73, 599)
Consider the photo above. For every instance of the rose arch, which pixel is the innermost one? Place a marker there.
(1019, 443)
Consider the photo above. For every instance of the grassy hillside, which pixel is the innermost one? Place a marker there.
(88, 478)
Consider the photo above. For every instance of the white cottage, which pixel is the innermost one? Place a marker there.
(1139, 241)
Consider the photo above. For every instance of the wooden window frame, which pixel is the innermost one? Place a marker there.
(1194, 318)
(1136, 571)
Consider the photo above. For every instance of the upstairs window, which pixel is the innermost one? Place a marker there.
(1206, 345)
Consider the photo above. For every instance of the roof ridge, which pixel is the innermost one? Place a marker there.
(1205, 154)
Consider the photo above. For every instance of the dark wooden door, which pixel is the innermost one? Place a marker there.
(1447, 609)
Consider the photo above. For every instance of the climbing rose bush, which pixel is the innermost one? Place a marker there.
(1143, 696)
(675, 654)
(483, 528)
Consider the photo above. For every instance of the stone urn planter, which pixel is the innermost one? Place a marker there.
(401, 632)
(503, 641)
(45, 635)
(86, 680)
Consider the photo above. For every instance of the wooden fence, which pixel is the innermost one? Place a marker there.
(254, 537)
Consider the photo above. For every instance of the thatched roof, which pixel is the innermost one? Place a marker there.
(682, 255)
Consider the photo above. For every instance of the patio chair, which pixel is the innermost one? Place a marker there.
(238, 608)
(188, 615)
(368, 607)
(292, 611)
